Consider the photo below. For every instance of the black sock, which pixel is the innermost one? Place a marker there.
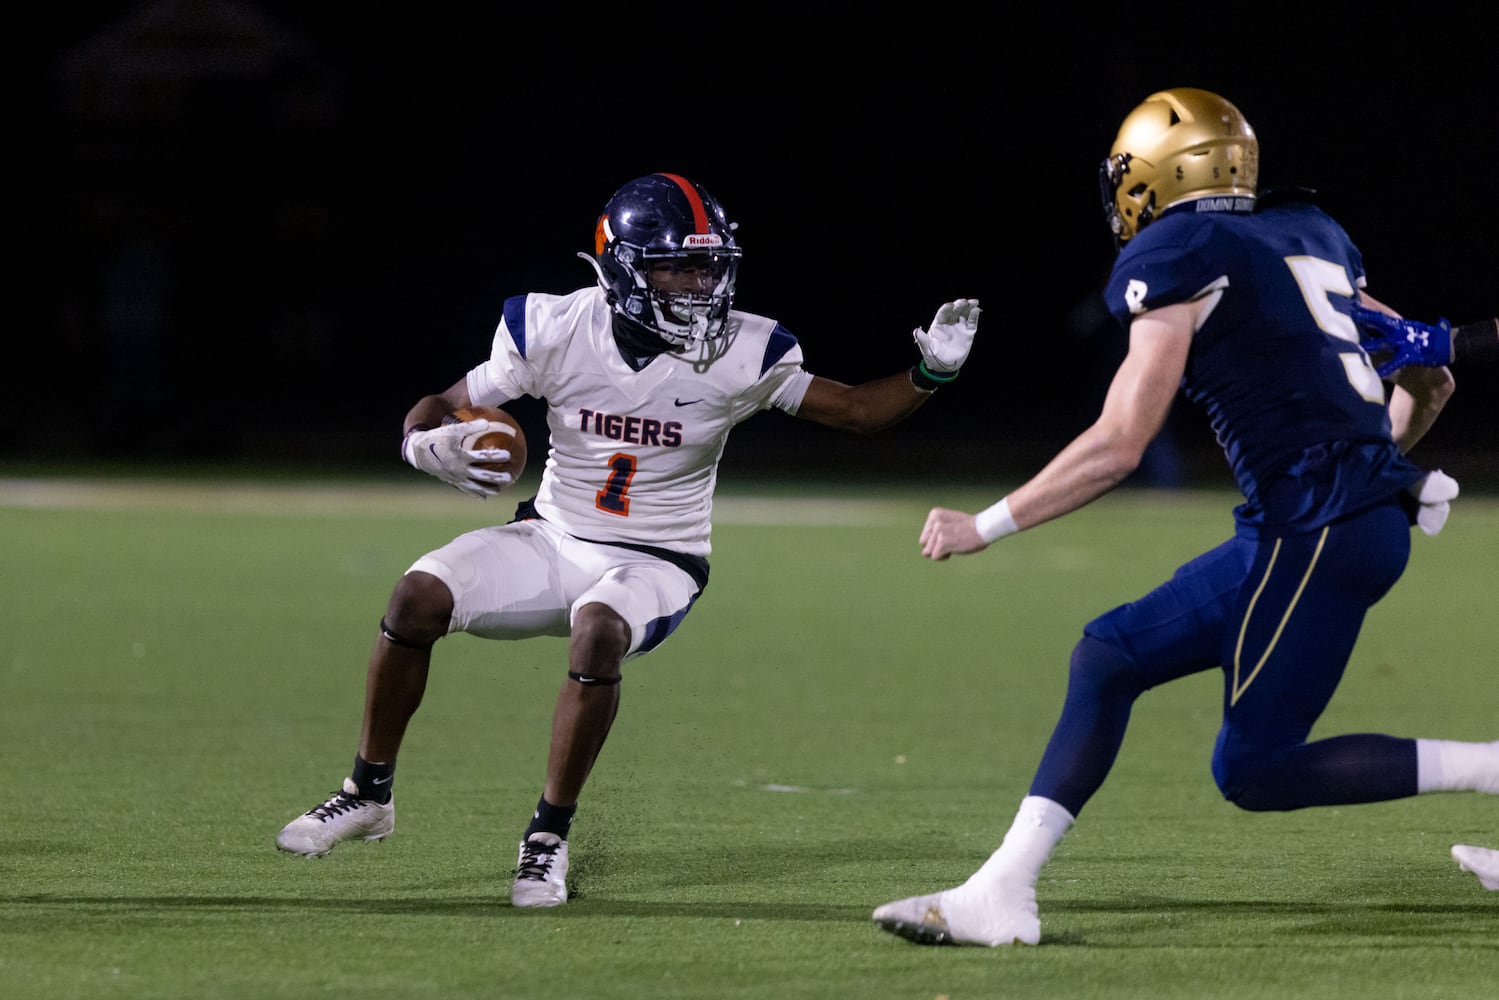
(550, 819)
(373, 780)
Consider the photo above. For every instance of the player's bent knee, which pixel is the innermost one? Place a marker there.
(601, 637)
(420, 610)
(1254, 797)
(1251, 786)
(1103, 667)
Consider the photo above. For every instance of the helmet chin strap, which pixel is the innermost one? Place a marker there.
(636, 343)
(598, 270)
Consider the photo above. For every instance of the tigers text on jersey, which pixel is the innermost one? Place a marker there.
(1276, 366)
(633, 455)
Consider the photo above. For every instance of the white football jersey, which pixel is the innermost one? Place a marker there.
(633, 456)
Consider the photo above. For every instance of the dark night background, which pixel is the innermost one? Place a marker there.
(255, 233)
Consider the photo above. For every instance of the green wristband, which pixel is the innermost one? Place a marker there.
(925, 380)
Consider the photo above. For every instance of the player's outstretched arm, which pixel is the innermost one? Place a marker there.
(1099, 458)
(873, 406)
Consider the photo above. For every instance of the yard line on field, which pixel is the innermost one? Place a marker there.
(335, 500)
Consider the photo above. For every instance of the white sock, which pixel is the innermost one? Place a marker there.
(1453, 766)
(1038, 828)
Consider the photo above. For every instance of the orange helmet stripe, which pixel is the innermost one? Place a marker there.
(699, 210)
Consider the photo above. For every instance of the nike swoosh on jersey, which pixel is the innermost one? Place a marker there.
(685, 402)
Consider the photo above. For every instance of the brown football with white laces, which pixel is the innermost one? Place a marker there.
(509, 437)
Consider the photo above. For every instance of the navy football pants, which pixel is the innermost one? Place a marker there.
(1280, 616)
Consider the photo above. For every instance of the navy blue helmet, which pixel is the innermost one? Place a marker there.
(667, 224)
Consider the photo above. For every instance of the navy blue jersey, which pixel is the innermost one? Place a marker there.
(1276, 367)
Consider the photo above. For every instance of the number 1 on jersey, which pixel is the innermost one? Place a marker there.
(614, 497)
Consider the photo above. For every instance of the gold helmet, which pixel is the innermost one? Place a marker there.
(1174, 146)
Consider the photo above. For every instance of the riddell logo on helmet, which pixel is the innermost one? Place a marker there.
(702, 240)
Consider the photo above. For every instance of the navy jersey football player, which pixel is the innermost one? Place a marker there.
(1244, 307)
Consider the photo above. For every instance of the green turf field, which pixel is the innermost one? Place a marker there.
(838, 723)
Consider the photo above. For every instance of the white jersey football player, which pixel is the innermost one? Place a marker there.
(644, 375)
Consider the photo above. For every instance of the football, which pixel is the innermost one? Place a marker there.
(511, 437)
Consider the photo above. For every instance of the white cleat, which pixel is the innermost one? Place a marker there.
(1481, 861)
(344, 816)
(961, 916)
(540, 872)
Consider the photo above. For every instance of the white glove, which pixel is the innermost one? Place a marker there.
(444, 452)
(1435, 494)
(945, 346)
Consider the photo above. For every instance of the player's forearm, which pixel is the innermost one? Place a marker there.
(1092, 465)
(429, 410)
(1417, 401)
(865, 408)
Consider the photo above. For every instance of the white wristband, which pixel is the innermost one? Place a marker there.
(994, 523)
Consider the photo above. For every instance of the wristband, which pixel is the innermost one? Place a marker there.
(1476, 341)
(407, 437)
(927, 381)
(994, 523)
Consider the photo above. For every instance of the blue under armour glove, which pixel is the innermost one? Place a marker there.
(1402, 342)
